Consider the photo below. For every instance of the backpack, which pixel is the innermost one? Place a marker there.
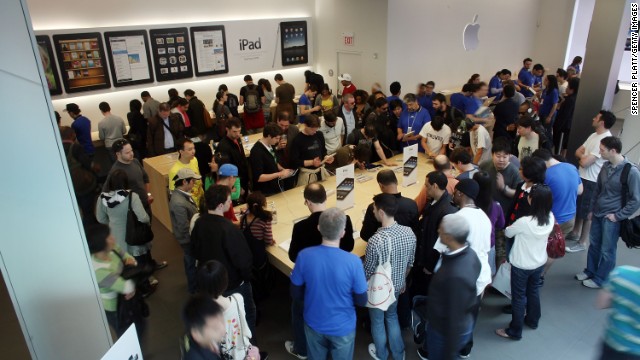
(629, 228)
(252, 103)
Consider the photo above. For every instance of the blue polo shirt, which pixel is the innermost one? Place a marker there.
(330, 276)
(527, 78)
(472, 104)
(304, 100)
(563, 180)
(426, 101)
(416, 120)
(550, 98)
(82, 126)
(495, 83)
(458, 101)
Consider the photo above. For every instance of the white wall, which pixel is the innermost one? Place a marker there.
(583, 13)
(48, 15)
(425, 40)
(367, 20)
(43, 256)
(552, 33)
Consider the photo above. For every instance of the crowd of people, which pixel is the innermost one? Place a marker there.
(500, 187)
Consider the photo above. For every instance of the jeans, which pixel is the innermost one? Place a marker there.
(189, 268)
(249, 305)
(297, 324)
(436, 344)
(525, 299)
(385, 323)
(601, 258)
(319, 345)
(466, 349)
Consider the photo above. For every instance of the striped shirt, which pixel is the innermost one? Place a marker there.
(398, 239)
(623, 328)
(261, 230)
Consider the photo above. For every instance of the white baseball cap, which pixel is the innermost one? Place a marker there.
(345, 77)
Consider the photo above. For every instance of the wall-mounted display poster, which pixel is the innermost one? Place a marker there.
(82, 61)
(294, 45)
(129, 57)
(49, 65)
(210, 50)
(171, 53)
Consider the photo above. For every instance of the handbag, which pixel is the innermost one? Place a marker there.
(208, 121)
(137, 233)
(253, 353)
(502, 281)
(556, 243)
(629, 228)
(380, 290)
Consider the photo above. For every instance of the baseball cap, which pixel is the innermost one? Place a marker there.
(228, 170)
(468, 187)
(72, 107)
(345, 77)
(186, 173)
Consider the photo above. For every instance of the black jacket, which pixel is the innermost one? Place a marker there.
(406, 215)
(432, 214)
(305, 234)
(452, 296)
(196, 116)
(237, 157)
(506, 113)
(263, 162)
(216, 238)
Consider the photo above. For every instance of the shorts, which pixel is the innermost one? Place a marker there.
(585, 201)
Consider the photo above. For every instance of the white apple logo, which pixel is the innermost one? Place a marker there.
(470, 35)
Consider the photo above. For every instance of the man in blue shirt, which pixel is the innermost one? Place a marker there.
(565, 184)
(525, 78)
(425, 97)
(395, 89)
(496, 83)
(82, 126)
(458, 100)
(411, 122)
(304, 103)
(329, 297)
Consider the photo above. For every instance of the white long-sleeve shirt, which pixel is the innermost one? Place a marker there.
(529, 249)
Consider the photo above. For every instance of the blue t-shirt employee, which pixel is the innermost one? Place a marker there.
(411, 122)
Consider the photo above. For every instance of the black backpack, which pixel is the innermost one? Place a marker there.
(252, 102)
(629, 228)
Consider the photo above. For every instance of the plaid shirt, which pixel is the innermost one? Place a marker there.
(402, 242)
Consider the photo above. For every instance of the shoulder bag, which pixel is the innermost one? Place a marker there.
(137, 233)
(629, 228)
(380, 290)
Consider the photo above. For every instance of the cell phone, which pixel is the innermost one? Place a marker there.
(294, 173)
(410, 165)
(328, 157)
(345, 187)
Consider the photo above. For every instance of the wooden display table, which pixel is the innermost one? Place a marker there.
(290, 208)
(158, 170)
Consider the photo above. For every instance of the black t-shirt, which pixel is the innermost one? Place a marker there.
(244, 89)
(263, 162)
(307, 147)
(506, 113)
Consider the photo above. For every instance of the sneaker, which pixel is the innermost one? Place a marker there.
(582, 276)
(591, 284)
(161, 265)
(423, 354)
(466, 356)
(372, 351)
(291, 350)
(153, 281)
(575, 248)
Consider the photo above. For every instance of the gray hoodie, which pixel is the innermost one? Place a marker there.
(609, 191)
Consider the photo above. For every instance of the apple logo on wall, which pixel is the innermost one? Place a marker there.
(470, 35)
